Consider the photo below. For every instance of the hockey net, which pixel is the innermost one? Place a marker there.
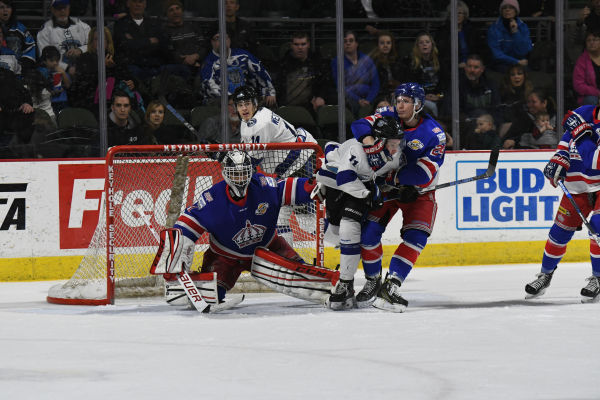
(146, 189)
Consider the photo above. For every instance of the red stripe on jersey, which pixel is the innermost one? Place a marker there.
(555, 250)
(582, 178)
(407, 253)
(287, 191)
(186, 219)
(372, 254)
(594, 248)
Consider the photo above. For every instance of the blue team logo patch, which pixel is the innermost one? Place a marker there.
(415, 144)
(251, 122)
(249, 235)
(262, 209)
(208, 196)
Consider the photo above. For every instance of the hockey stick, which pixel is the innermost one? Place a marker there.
(591, 230)
(183, 277)
(489, 172)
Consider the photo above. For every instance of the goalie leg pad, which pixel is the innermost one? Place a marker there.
(293, 278)
(205, 283)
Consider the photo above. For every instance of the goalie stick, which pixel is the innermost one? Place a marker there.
(489, 172)
(591, 230)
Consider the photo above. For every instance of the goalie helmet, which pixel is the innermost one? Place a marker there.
(414, 91)
(237, 171)
(245, 93)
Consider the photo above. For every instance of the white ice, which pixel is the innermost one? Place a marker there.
(468, 333)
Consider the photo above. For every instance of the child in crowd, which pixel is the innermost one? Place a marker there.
(542, 122)
(51, 70)
(484, 136)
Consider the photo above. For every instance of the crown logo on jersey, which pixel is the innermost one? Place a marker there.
(249, 235)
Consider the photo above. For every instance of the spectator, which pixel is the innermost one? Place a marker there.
(52, 71)
(83, 91)
(484, 136)
(69, 35)
(122, 127)
(425, 70)
(361, 79)
(470, 39)
(8, 58)
(390, 67)
(243, 69)
(40, 89)
(303, 78)
(508, 38)
(241, 31)
(187, 47)
(115, 8)
(211, 127)
(16, 110)
(17, 36)
(140, 41)
(514, 89)
(157, 131)
(524, 133)
(477, 94)
(589, 18)
(586, 70)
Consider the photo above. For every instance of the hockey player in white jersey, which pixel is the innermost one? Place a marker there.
(351, 174)
(261, 125)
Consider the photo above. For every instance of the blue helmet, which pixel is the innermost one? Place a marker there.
(412, 90)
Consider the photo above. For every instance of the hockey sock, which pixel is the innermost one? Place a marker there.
(555, 249)
(594, 248)
(221, 293)
(349, 248)
(371, 252)
(407, 253)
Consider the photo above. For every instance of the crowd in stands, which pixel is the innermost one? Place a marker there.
(154, 56)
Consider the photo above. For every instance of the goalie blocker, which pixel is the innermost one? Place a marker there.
(293, 278)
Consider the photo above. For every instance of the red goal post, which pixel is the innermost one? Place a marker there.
(147, 187)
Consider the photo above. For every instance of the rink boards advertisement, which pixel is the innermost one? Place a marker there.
(49, 210)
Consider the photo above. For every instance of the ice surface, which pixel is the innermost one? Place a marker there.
(468, 333)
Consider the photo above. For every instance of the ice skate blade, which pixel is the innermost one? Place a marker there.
(586, 300)
(230, 302)
(387, 306)
(366, 303)
(341, 305)
(529, 296)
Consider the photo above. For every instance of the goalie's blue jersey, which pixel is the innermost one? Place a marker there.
(424, 151)
(237, 228)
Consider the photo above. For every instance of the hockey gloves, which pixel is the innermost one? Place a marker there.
(407, 194)
(377, 154)
(317, 189)
(557, 167)
(375, 197)
(578, 126)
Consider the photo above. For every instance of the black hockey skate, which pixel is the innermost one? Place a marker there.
(389, 298)
(368, 293)
(538, 287)
(591, 291)
(342, 297)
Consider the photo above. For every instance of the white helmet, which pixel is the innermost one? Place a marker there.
(237, 171)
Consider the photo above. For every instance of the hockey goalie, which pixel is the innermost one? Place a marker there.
(240, 215)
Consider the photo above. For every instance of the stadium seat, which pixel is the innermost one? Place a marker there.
(297, 116)
(73, 116)
(201, 113)
(172, 120)
(327, 119)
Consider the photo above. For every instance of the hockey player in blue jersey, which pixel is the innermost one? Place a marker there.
(577, 163)
(424, 151)
(240, 214)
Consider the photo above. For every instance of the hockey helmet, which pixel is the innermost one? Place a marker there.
(245, 93)
(387, 127)
(237, 171)
(414, 91)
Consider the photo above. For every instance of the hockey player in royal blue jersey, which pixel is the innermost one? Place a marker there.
(424, 151)
(240, 214)
(577, 162)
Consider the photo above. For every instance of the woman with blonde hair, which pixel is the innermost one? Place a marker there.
(389, 65)
(425, 70)
(158, 132)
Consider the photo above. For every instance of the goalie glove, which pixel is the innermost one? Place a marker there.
(557, 167)
(577, 125)
(175, 253)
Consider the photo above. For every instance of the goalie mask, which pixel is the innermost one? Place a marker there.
(237, 172)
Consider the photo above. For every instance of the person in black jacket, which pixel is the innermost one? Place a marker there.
(16, 110)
